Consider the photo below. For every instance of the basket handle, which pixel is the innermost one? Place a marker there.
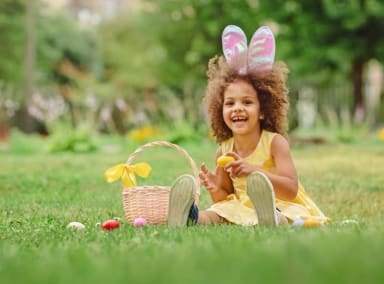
(180, 150)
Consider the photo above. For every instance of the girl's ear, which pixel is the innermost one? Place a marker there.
(235, 48)
(261, 54)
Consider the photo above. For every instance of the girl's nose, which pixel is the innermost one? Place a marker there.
(238, 108)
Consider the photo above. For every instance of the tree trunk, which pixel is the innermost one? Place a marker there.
(358, 91)
(23, 118)
(65, 92)
(29, 52)
(4, 133)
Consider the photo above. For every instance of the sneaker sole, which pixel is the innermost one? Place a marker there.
(260, 191)
(181, 198)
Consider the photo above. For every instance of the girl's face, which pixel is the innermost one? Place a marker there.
(241, 108)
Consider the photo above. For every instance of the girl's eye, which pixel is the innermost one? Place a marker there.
(228, 103)
(248, 102)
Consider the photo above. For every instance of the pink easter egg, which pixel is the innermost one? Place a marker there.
(139, 222)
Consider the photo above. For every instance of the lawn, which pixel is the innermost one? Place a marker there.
(41, 193)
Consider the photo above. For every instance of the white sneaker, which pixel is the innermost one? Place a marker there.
(260, 191)
(181, 198)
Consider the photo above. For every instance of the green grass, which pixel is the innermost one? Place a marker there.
(42, 193)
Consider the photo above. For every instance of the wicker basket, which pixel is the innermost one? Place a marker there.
(151, 201)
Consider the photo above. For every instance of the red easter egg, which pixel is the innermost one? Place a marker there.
(110, 225)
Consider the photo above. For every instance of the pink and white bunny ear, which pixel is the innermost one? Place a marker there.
(261, 53)
(235, 48)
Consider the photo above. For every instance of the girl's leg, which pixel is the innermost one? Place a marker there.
(181, 198)
(282, 219)
(260, 191)
(181, 205)
(209, 217)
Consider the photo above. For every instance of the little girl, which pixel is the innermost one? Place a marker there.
(247, 105)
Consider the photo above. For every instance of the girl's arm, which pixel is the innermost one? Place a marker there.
(285, 180)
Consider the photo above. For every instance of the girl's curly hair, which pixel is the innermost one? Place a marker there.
(270, 88)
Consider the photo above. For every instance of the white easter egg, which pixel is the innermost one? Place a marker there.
(76, 226)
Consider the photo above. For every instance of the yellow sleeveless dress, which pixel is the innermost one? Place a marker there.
(238, 209)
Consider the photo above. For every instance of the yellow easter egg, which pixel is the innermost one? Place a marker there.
(311, 223)
(223, 160)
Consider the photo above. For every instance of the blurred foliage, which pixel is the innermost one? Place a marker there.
(64, 50)
(78, 140)
(58, 38)
(148, 67)
(12, 38)
(325, 37)
(333, 40)
(190, 33)
(144, 133)
(185, 133)
(381, 134)
(130, 54)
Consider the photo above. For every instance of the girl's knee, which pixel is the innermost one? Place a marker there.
(209, 217)
(282, 219)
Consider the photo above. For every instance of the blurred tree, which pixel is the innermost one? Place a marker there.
(190, 33)
(13, 54)
(130, 54)
(130, 58)
(163, 51)
(66, 56)
(330, 40)
(18, 39)
(24, 119)
(51, 47)
(12, 38)
(183, 36)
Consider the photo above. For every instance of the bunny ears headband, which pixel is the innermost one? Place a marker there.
(260, 54)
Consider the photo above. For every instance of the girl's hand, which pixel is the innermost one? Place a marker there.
(208, 178)
(239, 167)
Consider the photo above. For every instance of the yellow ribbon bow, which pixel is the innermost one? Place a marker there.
(127, 173)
